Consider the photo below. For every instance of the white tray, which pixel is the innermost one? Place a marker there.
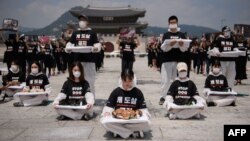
(80, 49)
(71, 107)
(195, 106)
(230, 54)
(185, 41)
(31, 93)
(218, 93)
(16, 87)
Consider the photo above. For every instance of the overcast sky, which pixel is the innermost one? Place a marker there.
(209, 13)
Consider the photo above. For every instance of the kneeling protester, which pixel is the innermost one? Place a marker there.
(126, 113)
(183, 100)
(75, 101)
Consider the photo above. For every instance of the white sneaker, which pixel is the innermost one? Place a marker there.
(172, 116)
(141, 134)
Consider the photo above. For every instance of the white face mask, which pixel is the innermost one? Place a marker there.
(183, 74)
(14, 68)
(77, 74)
(34, 70)
(172, 26)
(82, 24)
(216, 70)
(227, 34)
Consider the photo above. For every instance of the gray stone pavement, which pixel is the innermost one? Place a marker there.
(39, 123)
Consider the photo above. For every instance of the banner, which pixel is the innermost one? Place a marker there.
(10, 24)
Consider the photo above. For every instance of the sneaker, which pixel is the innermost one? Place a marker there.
(18, 104)
(86, 117)
(172, 116)
(135, 134)
(162, 100)
(61, 117)
(210, 104)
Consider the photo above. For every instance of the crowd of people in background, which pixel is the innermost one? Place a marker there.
(198, 52)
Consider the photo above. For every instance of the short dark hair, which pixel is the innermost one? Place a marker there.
(127, 73)
(78, 64)
(216, 63)
(173, 17)
(38, 64)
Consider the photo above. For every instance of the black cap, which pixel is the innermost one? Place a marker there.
(225, 28)
(83, 16)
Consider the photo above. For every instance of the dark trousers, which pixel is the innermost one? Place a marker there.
(127, 65)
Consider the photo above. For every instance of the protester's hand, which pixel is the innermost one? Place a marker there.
(89, 106)
(55, 103)
(180, 43)
(106, 114)
(95, 49)
(217, 54)
(172, 43)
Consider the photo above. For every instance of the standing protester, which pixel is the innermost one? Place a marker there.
(64, 59)
(127, 45)
(21, 53)
(85, 36)
(57, 53)
(171, 55)
(31, 52)
(241, 62)
(10, 53)
(225, 43)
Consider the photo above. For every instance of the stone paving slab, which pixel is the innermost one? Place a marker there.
(39, 123)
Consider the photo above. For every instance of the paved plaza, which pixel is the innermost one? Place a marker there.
(40, 124)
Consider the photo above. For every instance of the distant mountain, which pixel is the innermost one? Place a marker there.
(55, 27)
(25, 29)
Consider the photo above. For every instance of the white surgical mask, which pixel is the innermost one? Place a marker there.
(216, 70)
(77, 74)
(34, 70)
(183, 74)
(14, 68)
(227, 34)
(82, 24)
(172, 26)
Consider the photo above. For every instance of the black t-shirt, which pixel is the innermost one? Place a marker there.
(32, 52)
(18, 77)
(84, 38)
(132, 99)
(216, 83)
(128, 50)
(21, 49)
(37, 82)
(75, 91)
(174, 54)
(183, 92)
(225, 45)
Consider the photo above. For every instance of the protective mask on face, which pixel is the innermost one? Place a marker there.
(34, 70)
(216, 70)
(183, 74)
(82, 24)
(77, 74)
(227, 34)
(172, 26)
(14, 68)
